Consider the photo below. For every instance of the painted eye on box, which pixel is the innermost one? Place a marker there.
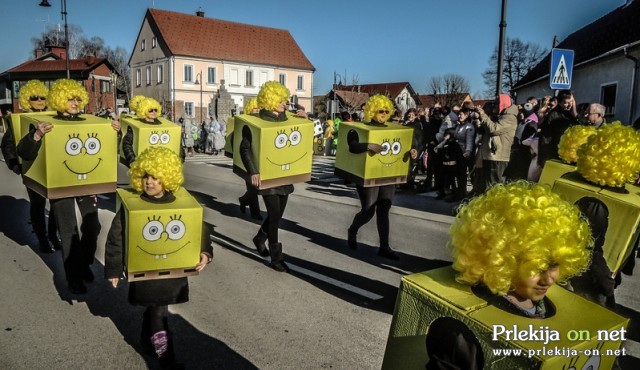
(396, 147)
(164, 138)
(73, 146)
(92, 145)
(152, 231)
(154, 138)
(385, 148)
(176, 229)
(281, 140)
(295, 137)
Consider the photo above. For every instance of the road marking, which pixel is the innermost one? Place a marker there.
(301, 270)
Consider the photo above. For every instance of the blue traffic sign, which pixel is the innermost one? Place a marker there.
(561, 69)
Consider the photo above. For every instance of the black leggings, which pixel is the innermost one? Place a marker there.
(374, 200)
(37, 205)
(275, 205)
(157, 316)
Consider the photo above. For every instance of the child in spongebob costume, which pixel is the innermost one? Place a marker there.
(250, 197)
(68, 98)
(147, 110)
(375, 200)
(32, 99)
(271, 101)
(156, 173)
(510, 246)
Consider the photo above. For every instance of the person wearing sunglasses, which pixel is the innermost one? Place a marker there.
(374, 200)
(33, 98)
(147, 111)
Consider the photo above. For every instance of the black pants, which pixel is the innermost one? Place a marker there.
(374, 200)
(37, 213)
(77, 252)
(154, 319)
(250, 198)
(275, 209)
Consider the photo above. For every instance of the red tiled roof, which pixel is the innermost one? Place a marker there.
(353, 98)
(392, 89)
(191, 35)
(55, 65)
(616, 29)
(428, 101)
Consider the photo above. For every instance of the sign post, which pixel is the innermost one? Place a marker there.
(561, 69)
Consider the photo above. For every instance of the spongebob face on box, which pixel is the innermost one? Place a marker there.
(82, 154)
(391, 153)
(159, 137)
(287, 149)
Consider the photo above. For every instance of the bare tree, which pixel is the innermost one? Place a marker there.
(519, 58)
(449, 89)
(54, 36)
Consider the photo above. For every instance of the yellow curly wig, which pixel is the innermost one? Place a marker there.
(64, 89)
(159, 162)
(519, 229)
(376, 103)
(251, 105)
(143, 106)
(135, 101)
(271, 95)
(611, 157)
(571, 141)
(32, 88)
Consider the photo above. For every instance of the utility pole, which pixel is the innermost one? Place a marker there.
(503, 26)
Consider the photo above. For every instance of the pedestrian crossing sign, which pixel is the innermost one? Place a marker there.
(561, 69)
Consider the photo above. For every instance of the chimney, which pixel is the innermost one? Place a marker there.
(59, 51)
(39, 53)
(200, 13)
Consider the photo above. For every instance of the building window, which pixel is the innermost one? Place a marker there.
(608, 98)
(188, 109)
(143, 45)
(248, 78)
(188, 73)
(300, 85)
(160, 73)
(105, 86)
(154, 42)
(211, 75)
(138, 77)
(264, 77)
(233, 76)
(282, 78)
(148, 75)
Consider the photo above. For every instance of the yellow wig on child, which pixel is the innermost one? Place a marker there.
(145, 105)
(571, 140)
(251, 105)
(135, 101)
(271, 95)
(64, 89)
(376, 103)
(519, 229)
(32, 88)
(610, 157)
(159, 162)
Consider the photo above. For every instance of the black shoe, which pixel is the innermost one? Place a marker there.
(352, 240)
(87, 275)
(279, 266)
(277, 258)
(388, 253)
(44, 246)
(259, 241)
(243, 207)
(77, 287)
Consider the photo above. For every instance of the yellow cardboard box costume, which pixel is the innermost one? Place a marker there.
(283, 151)
(76, 158)
(387, 167)
(568, 147)
(509, 250)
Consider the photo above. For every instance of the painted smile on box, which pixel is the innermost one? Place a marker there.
(285, 166)
(162, 255)
(82, 165)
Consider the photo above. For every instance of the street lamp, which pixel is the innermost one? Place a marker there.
(503, 26)
(114, 79)
(200, 82)
(63, 11)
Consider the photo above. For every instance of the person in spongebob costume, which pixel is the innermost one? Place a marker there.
(68, 97)
(511, 245)
(272, 100)
(250, 197)
(374, 200)
(156, 174)
(147, 110)
(33, 97)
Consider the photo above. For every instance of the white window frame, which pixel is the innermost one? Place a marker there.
(138, 77)
(143, 45)
(609, 110)
(211, 80)
(148, 75)
(233, 77)
(300, 83)
(154, 42)
(184, 71)
(282, 78)
(189, 106)
(160, 73)
(249, 78)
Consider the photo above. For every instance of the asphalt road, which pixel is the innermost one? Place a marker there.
(332, 311)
